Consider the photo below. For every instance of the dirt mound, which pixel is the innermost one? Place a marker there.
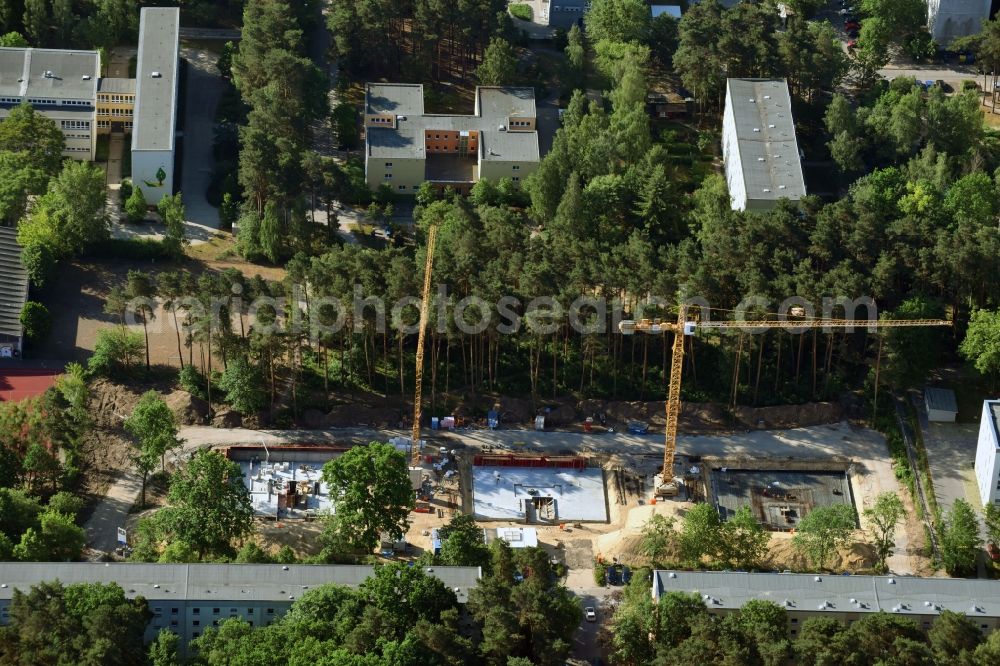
(782, 555)
(514, 410)
(363, 415)
(561, 415)
(790, 416)
(188, 409)
(227, 418)
(111, 403)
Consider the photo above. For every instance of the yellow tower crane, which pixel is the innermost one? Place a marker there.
(425, 306)
(687, 326)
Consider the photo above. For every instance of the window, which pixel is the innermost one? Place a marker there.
(174, 611)
(74, 124)
(195, 634)
(388, 164)
(249, 611)
(232, 610)
(515, 178)
(795, 620)
(516, 167)
(270, 611)
(196, 623)
(157, 611)
(215, 610)
(250, 622)
(196, 611)
(173, 623)
(388, 176)
(402, 187)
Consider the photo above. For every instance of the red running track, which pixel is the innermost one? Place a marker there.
(16, 385)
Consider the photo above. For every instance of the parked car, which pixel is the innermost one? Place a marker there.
(993, 551)
(590, 614)
(852, 25)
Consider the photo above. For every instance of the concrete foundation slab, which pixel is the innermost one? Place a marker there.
(539, 494)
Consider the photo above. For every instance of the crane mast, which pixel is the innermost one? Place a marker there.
(684, 326)
(425, 304)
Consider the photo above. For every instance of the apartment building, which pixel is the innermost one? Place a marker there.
(948, 20)
(404, 146)
(189, 598)
(843, 598)
(759, 147)
(988, 454)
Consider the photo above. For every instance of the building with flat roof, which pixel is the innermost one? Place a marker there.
(844, 598)
(188, 598)
(988, 454)
(13, 293)
(941, 404)
(759, 146)
(153, 138)
(60, 85)
(66, 86)
(404, 146)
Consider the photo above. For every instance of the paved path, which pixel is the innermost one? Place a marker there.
(112, 512)
(203, 91)
(951, 455)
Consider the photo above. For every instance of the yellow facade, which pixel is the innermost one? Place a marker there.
(114, 108)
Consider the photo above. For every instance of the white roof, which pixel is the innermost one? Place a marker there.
(519, 537)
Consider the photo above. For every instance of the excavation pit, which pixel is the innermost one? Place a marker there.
(779, 499)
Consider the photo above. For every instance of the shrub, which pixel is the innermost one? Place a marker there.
(193, 381)
(600, 573)
(36, 320)
(521, 11)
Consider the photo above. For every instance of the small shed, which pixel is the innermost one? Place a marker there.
(940, 404)
(519, 537)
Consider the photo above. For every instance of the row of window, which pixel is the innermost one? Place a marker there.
(444, 149)
(115, 113)
(115, 99)
(382, 121)
(520, 123)
(106, 124)
(68, 149)
(76, 136)
(74, 124)
(215, 611)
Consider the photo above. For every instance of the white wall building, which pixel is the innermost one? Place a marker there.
(949, 19)
(153, 140)
(987, 458)
(759, 145)
(60, 85)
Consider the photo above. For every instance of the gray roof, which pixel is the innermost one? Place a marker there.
(156, 98)
(509, 146)
(501, 103)
(116, 86)
(903, 595)
(940, 399)
(49, 73)
(398, 98)
(765, 130)
(210, 582)
(494, 105)
(13, 283)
